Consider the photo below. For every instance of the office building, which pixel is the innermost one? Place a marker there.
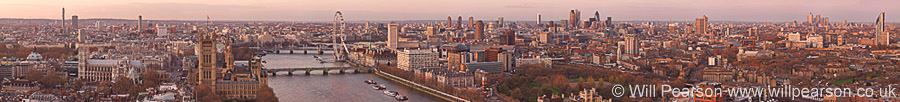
(411, 60)
(508, 60)
(81, 37)
(545, 37)
(75, 22)
(479, 30)
(455, 60)
(500, 22)
(573, 18)
(430, 31)
(492, 54)
(394, 36)
(508, 38)
(162, 30)
(457, 55)
(609, 22)
(553, 27)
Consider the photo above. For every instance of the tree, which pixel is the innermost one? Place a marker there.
(205, 94)
(122, 85)
(52, 79)
(104, 87)
(150, 79)
(266, 94)
(543, 81)
(33, 75)
(591, 82)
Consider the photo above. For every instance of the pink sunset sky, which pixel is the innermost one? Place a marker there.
(388, 10)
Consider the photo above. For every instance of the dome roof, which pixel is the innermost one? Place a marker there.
(34, 56)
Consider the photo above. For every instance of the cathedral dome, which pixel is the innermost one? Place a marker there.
(34, 56)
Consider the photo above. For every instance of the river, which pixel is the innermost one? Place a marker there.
(334, 87)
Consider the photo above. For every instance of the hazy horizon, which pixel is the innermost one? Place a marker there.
(406, 10)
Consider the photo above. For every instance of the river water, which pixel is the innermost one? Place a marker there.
(333, 87)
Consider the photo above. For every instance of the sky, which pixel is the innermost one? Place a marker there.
(398, 10)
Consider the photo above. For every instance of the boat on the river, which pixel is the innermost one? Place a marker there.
(379, 87)
(391, 93)
(401, 98)
(371, 82)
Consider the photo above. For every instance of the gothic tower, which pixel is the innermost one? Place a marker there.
(207, 58)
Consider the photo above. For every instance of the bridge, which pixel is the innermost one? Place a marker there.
(304, 50)
(324, 70)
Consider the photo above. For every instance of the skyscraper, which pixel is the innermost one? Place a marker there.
(81, 35)
(367, 27)
(430, 33)
(609, 21)
(577, 20)
(809, 18)
(701, 25)
(553, 27)
(571, 18)
(539, 19)
(140, 23)
(596, 16)
(75, 22)
(449, 22)
(881, 37)
(459, 22)
(393, 35)
(479, 30)
(500, 22)
(818, 19)
(844, 22)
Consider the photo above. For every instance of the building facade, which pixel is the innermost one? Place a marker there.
(411, 60)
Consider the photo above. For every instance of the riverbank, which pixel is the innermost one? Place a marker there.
(333, 87)
(422, 88)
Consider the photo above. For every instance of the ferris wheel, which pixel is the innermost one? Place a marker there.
(338, 31)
